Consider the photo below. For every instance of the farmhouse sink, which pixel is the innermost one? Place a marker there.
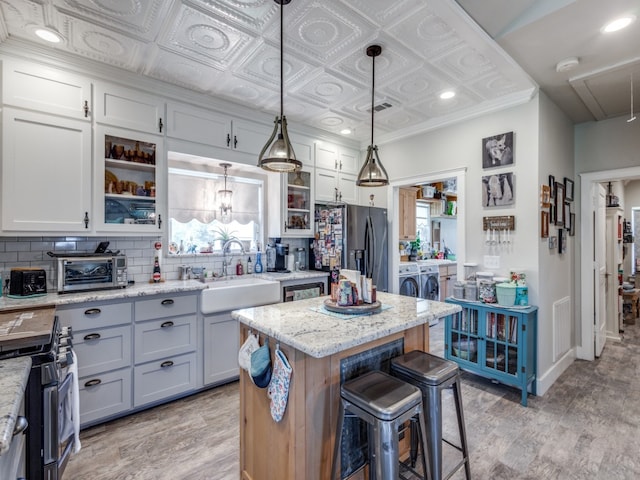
(225, 295)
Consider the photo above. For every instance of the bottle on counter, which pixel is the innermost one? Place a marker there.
(239, 269)
(249, 266)
(258, 267)
(156, 270)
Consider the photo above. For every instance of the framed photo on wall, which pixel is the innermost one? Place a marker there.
(545, 196)
(544, 224)
(553, 243)
(567, 215)
(559, 205)
(552, 186)
(572, 222)
(562, 241)
(568, 189)
(497, 151)
(498, 190)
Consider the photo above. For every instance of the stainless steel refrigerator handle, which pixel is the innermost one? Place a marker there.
(370, 246)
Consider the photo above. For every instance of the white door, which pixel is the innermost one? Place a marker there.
(600, 269)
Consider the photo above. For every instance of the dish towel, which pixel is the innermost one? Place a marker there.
(278, 390)
(75, 401)
(249, 346)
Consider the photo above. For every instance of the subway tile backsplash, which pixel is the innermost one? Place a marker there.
(140, 252)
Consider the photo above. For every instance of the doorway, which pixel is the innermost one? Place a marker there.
(588, 181)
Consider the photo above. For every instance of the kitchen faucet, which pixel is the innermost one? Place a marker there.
(225, 250)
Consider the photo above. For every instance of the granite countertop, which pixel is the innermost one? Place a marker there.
(299, 275)
(319, 335)
(14, 374)
(133, 291)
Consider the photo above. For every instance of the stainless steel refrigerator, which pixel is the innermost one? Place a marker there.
(354, 237)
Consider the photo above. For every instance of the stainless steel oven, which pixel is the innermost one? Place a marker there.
(302, 291)
(49, 407)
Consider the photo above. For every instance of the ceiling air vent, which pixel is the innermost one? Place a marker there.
(380, 107)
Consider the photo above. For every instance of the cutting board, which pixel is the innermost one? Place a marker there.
(26, 328)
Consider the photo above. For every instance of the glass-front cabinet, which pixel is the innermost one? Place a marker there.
(299, 204)
(127, 197)
(494, 341)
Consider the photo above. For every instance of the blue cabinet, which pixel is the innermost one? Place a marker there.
(495, 342)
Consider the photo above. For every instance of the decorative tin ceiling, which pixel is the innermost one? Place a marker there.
(230, 49)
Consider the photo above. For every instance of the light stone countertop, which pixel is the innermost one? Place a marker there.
(299, 275)
(320, 335)
(14, 374)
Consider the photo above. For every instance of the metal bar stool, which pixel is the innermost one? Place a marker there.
(432, 375)
(384, 403)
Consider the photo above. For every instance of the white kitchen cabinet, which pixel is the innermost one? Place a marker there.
(294, 195)
(46, 173)
(165, 378)
(221, 344)
(303, 147)
(208, 127)
(128, 108)
(336, 173)
(164, 337)
(46, 90)
(129, 181)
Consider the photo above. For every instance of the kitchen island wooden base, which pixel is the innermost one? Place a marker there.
(301, 445)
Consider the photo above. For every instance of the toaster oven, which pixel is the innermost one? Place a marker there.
(99, 272)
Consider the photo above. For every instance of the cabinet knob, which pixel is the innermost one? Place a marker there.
(92, 311)
(166, 364)
(93, 383)
(92, 336)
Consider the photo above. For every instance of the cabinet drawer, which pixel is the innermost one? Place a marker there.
(93, 316)
(161, 338)
(102, 349)
(104, 395)
(165, 306)
(164, 378)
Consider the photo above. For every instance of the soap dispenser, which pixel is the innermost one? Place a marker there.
(239, 269)
(258, 267)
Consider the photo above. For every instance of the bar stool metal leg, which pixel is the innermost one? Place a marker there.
(457, 394)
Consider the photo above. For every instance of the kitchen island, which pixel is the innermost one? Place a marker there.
(323, 350)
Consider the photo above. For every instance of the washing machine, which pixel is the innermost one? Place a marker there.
(429, 284)
(409, 279)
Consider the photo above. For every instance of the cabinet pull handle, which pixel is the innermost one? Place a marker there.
(167, 301)
(86, 220)
(167, 324)
(21, 425)
(228, 139)
(92, 336)
(93, 383)
(335, 165)
(92, 311)
(160, 125)
(168, 363)
(159, 221)
(340, 164)
(235, 141)
(86, 109)
(285, 226)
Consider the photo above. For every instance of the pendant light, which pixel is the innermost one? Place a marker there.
(633, 117)
(224, 198)
(372, 173)
(280, 156)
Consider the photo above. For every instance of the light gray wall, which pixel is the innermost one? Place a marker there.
(556, 272)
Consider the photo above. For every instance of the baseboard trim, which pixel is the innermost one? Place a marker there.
(544, 382)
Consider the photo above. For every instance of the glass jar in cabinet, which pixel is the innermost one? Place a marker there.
(127, 194)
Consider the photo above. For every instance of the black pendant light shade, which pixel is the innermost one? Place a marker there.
(372, 173)
(280, 156)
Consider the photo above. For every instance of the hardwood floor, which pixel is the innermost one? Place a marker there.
(586, 426)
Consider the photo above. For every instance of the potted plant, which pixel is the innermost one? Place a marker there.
(222, 235)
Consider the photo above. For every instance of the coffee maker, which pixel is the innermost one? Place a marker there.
(282, 253)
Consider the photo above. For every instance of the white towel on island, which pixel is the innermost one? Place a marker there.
(75, 401)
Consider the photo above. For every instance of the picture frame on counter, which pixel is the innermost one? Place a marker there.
(544, 224)
(568, 189)
(559, 205)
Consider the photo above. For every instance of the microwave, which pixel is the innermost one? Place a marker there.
(99, 272)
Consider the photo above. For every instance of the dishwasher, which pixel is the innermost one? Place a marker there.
(301, 291)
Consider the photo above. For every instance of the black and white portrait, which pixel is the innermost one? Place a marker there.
(498, 190)
(497, 151)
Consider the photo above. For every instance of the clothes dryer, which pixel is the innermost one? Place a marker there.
(429, 284)
(409, 279)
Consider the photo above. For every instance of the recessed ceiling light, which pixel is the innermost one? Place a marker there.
(567, 64)
(618, 24)
(447, 95)
(345, 131)
(48, 35)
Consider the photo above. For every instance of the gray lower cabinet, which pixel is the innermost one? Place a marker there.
(165, 347)
(102, 340)
(221, 344)
(133, 353)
